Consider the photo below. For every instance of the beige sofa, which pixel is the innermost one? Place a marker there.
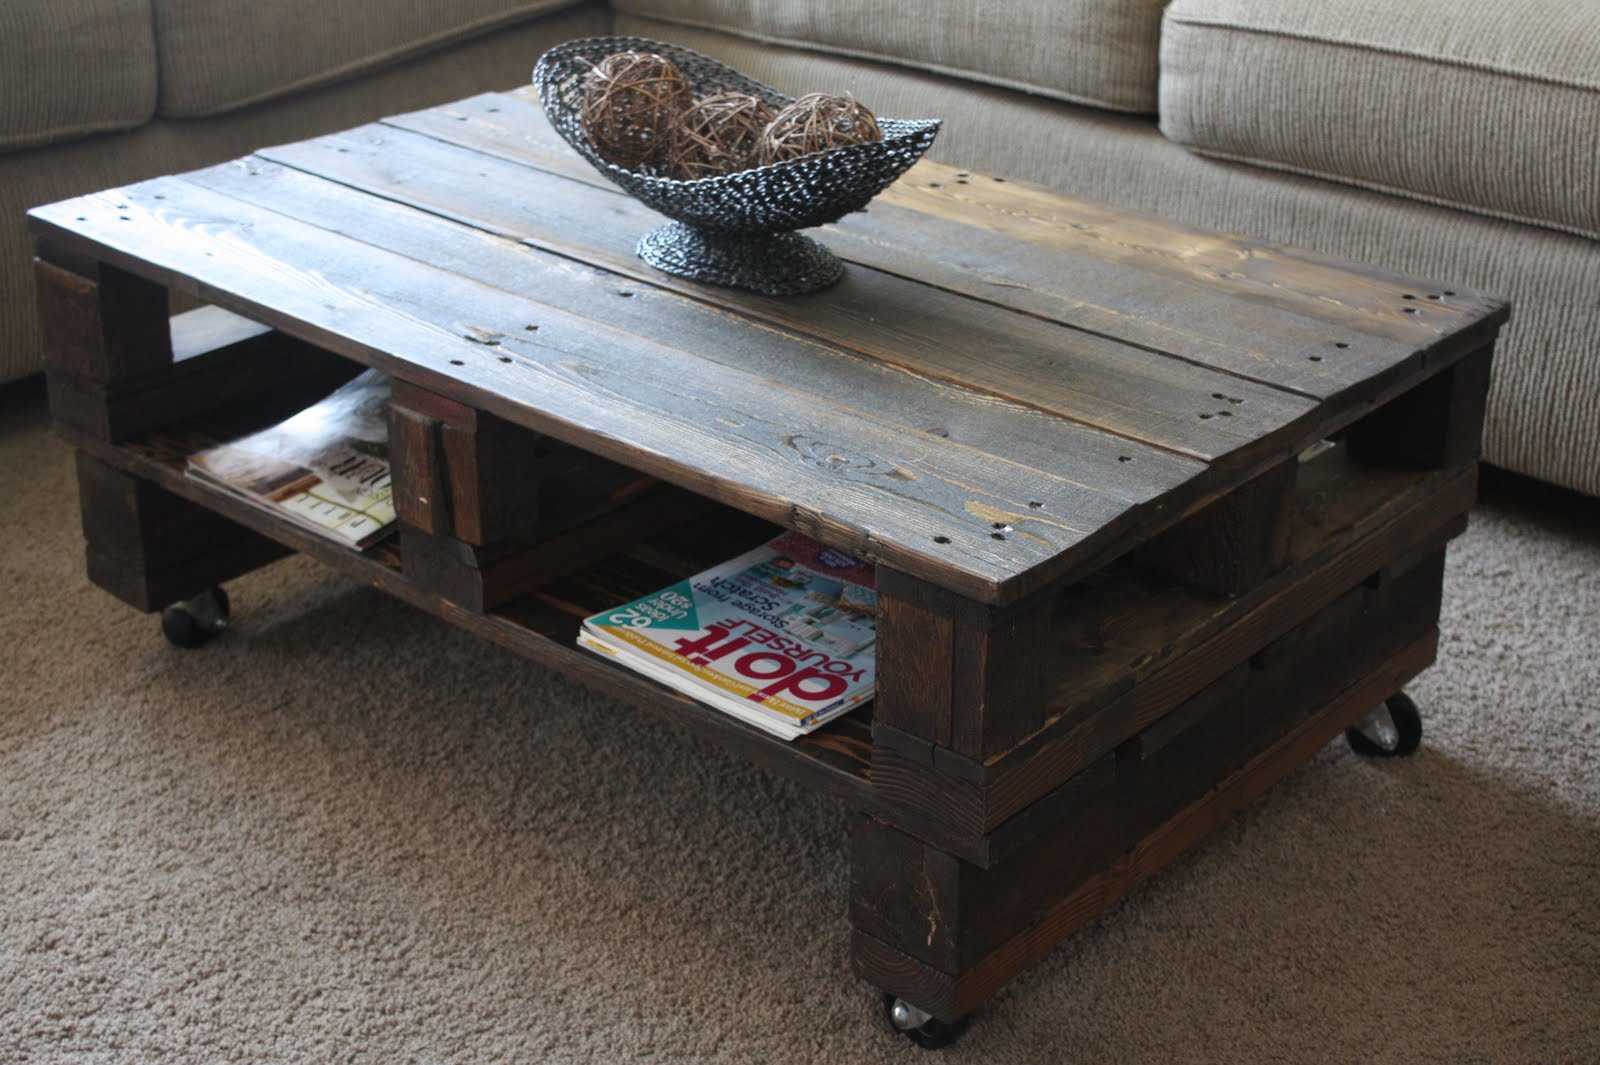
(1456, 142)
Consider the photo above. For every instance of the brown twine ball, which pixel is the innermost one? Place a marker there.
(816, 122)
(630, 102)
(720, 134)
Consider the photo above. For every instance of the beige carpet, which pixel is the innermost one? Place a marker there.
(347, 832)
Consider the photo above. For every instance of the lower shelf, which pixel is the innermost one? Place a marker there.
(542, 625)
(1127, 648)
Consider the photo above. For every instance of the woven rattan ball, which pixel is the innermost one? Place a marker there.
(815, 123)
(631, 100)
(720, 134)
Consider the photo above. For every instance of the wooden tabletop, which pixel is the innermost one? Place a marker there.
(1008, 385)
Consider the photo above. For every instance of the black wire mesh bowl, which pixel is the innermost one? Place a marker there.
(735, 229)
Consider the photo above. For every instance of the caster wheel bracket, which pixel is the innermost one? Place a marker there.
(196, 621)
(1392, 730)
(920, 1026)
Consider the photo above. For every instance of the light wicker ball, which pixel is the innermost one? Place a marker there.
(817, 122)
(630, 103)
(720, 134)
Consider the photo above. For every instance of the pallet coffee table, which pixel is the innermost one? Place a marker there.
(1156, 512)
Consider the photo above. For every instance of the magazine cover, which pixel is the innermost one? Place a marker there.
(326, 468)
(781, 636)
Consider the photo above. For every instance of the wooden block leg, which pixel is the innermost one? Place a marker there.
(151, 548)
(1233, 544)
(490, 511)
(1437, 424)
(465, 486)
(945, 933)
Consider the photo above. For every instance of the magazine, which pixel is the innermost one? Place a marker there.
(326, 468)
(781, 637)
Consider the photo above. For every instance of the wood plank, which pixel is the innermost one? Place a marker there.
(1013, 431)
(460, 472)
(915, 648)
(1437, 424)
(1338, 291)
(1129, 391)
(868, 486)
(151, 548)
(1235, 542)
(1203, 296)
(104, 325)
(951, 991)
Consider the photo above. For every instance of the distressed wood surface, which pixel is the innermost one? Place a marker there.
(985, 433)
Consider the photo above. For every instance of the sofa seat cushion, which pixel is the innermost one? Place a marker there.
(1098, 52)
(217, 56)
(1494, 108)
(74, 67)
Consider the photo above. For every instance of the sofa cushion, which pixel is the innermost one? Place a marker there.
(219, 56)
(1490, 107)
(1098, 52)
(74, 67)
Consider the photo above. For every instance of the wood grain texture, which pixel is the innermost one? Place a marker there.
(1235, 542)
(806, 361)
(1265, 312)
(104, 325)
(151, 548)
(848, 476)
(953, 992)
(1129, 391)
(1213, 639)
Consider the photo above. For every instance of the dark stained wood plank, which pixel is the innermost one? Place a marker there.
(1017, 432)
(1438, 423)
(915, 680)
(460, 472)
(905, 892)
(103, 326)
(416, 462)
(1129, 391)
(1216, 299)
(868, 486)
(1337, 291)
(1235, 542)
(1243, 712)
(151, 548)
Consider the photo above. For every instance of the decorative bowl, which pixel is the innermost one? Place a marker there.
(735, 229)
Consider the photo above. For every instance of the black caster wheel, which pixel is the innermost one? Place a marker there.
(922, 1028)
(196, 622)
(1393, 730)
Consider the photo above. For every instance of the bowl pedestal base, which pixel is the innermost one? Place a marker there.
(775, 264)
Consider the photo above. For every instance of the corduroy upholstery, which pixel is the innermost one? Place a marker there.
(1493, 108)
(217, 57)
(74, 67)
(1085, 51)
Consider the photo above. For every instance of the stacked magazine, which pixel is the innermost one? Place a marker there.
(780, 637)
(326, 468)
